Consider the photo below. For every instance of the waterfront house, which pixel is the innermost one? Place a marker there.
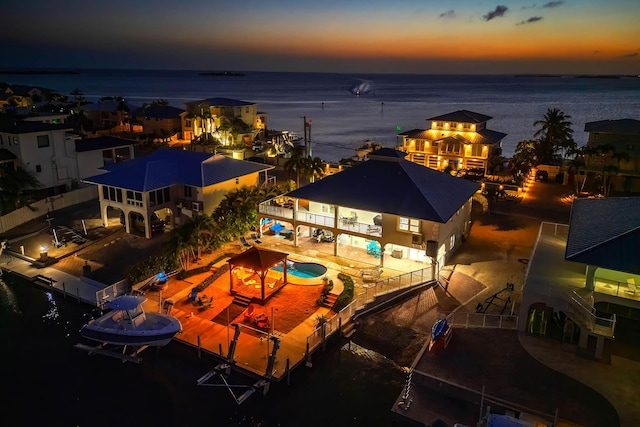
(455, 141)
(229, 121)
(162, 122)
(171, 185)
(587, 271)
(612, 157)
(385, 207)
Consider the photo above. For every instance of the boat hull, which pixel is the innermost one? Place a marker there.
(155, 330)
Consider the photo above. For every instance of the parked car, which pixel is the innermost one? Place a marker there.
(473, 174)
(137, 221)
(542, 176)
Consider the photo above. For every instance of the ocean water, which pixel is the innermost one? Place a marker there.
(341, 121)
(50, 382)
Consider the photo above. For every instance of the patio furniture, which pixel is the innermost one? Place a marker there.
(206, 303)
(249, 313)
(193, 295)
(261, 321)
(254, 236)
(244, 242)
(370, 275)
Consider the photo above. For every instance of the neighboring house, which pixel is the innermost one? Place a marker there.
(109, 116)
(159, 121)
(56, 156)
(230, 121)
(42, 149)
(589, 270)
(386, 205)
(25, 95)
(172, 185)
(455, 141)
(618, 168)
(93, 154)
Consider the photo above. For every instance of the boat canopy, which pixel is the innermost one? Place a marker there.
(126, 302)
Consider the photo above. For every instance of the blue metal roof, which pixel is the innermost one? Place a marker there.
(387, 183)
(170, 166)
(605, 233)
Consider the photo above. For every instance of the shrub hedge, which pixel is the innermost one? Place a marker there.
(345, 298)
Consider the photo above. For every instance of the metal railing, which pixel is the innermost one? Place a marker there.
(482, 320)
(586, 315)
(277, 211)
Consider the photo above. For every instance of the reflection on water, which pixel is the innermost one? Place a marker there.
(8, 300)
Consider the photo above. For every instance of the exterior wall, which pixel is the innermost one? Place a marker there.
(57, 161)
(213, 194)
(155, 126)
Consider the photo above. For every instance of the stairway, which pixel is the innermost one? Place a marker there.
(330, 300)
(241, 300)
(348, 330)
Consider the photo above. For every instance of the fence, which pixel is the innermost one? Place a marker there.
(41, 207)
(482, 320)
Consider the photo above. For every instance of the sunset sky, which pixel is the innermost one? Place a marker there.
(359, 36)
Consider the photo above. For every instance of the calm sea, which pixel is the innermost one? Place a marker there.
(49, 382)
(340, 121)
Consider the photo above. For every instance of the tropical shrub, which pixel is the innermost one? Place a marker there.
(345, 298)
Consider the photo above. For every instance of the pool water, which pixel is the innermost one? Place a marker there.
(307, 270)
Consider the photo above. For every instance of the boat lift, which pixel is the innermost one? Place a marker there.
(123, 352)
(224, 369)
(482, 307)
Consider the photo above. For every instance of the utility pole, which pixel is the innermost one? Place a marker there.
(307, 137)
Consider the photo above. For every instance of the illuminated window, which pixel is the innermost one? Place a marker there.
(327, 209)
(408, 224)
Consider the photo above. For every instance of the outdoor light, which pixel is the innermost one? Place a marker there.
(43, 248)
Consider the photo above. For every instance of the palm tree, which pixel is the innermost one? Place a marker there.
(78, 96)
(555, 134)
(296, 162)
(314, 168)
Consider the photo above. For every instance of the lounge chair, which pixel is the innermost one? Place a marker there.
(249, 313)
(244, 242)
(206, 303)
(254, 236)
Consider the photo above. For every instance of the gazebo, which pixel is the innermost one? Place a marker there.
(260, 261)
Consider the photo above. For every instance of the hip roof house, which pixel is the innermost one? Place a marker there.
(387, 205)
(172, 185)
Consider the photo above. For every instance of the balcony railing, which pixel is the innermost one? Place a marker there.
(277, 211)
(314, 218)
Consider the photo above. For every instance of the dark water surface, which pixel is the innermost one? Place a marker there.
(48, 382)
(340, 121)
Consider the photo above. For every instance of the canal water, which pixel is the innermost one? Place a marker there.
(50, 382)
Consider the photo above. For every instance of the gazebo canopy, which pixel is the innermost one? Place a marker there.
(257, 259)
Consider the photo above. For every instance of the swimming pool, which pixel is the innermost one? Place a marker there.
(307, 270)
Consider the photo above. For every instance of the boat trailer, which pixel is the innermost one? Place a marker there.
(482, 307)
(224, 370)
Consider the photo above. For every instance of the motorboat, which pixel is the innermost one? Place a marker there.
(127, 323)
(291, 137)
(440, 334)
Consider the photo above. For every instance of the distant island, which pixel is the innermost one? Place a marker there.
(38, 72)
(222, 73)
(583, 76)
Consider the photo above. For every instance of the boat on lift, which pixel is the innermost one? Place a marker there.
(126, 323)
